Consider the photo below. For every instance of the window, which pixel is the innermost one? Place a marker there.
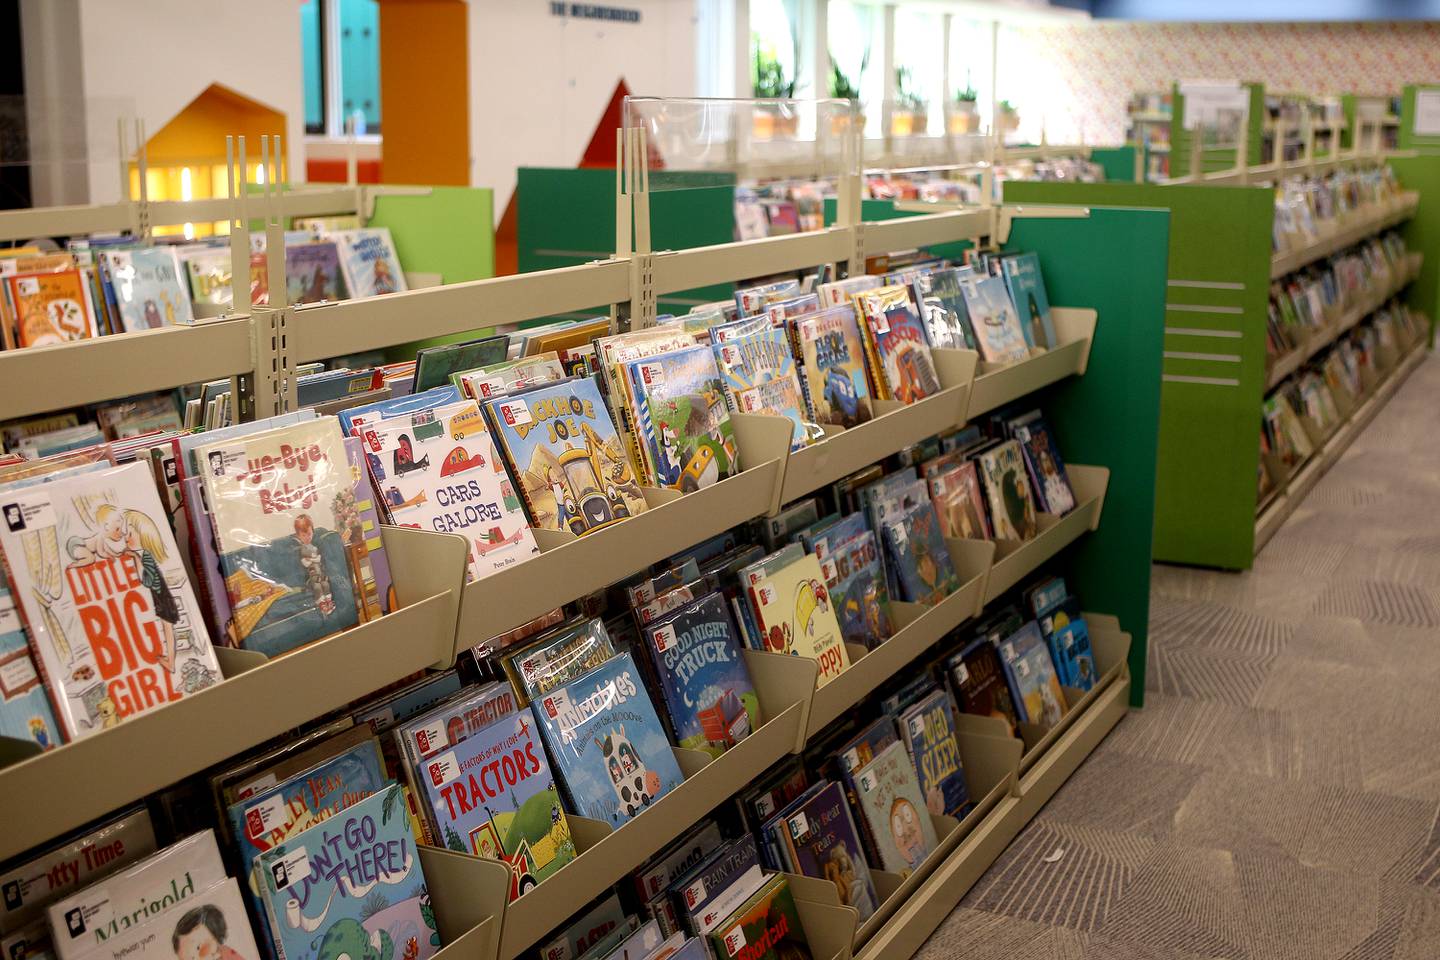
(918, 51)
(970, 64)
(854, 29)
(773, 45)
(341, 47)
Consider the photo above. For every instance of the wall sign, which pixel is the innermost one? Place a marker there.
(592, 11)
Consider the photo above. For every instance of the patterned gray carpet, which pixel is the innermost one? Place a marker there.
(1277, 797)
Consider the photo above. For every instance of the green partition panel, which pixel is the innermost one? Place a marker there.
(1422, 231)
(567, 216)
(1117, 162)
(1213, 378)
(1409, 139)
(1214, 159)
(446, 230)
(1114, 262)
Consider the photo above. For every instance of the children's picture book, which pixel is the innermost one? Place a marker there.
(824, 843)
(361, 515)
(780, 397)
(149, 290)
(684, 422)
(942, 307)
(211, 923)
(891, 803)
(1034, 684)
(1048, 478)
(312, 272)
(1072, 653)
(208, 271)
(750, 301)
(604, 734)
(703, 680)
(585, 931)
(439, 470)
(566, 456)
(998, 333)
(369, 263)
(900, 352)
(1027, 293)
(766, 927)
(493, 795)
(929, 731)
(556, 658)
(713, 889)
(955, 491)
(977, 679)
(278, 500)
(856, 578)
(25, 711)
(113, 622)
(50, 308)
(754, 358)
(507, 375)
(434, 366)
(796, 615)
(923, 566)
(351, 886)
(424, 735)
(832, 356)
(1007, 491)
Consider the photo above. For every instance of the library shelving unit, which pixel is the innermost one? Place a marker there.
(1216, 372)
(1101, 390)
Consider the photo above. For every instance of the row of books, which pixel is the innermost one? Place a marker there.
(1304, 206)
(107, 285)
(1307, 301)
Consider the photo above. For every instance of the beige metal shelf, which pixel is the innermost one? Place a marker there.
(1015, 560)
(727, 262)
(1356, 228)
(906, 233)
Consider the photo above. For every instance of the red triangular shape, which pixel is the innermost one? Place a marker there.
(601, 151)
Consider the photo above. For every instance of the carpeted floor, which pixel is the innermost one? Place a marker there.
(1277, 797)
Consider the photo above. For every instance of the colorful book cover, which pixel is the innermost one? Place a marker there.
(1065, 630)
(493, 795)
(449, 724)
(955, 491)
(211, 923)
(900, 351)
(278, 499)
(557, 658)
(856, 579)
(1047, 470)
(998, 333)
(1034, 684)
(766, 927)
(149, 290)
(891, 803)
(796, 616)
(824, 844)
(494, 379)
(50, 308)
(351, 886)
(684, 419)
(977, 679)
(566, 456)
(755, 358)
(361, 514)
(839, 293)
(942, 307)
(1007, 491)
(780, 397)
(209, 274)
(750, 301)
(604, 734)
(929, 731)
(832, 356)
(368, 261)
(25, 711)
(923, 567)
(312, 272)
(113, 622)
(434, 366)
(710, 891)
(1027, 293)
(670, 864)
(439, 470)
(706, 687)
(585, 931)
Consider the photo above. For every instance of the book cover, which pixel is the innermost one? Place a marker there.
(998, 333)
(670, 864)
(493, 795)
(351, 886)
(929, 730)
(796, 616)
(705, 685)
(113, 622)
(210, 924)
(924, 569)
(25, 711)
(1027, 293)
(684, 420)
(955, 492)
(604, 734)
(277, 499)
(1007, 491)
(891, 803)
(557, 658)
(312, 272)
(901, 352)
(766, 927)
(1034, 685)
(566, 456)
(750, 301)
(149, 291)
(1047, 470)
(584, 931)
(755, 357)
(977, 680)
(439, 470)
(824, 843)
(368, 261)
(780, 397)
(50, 308)
(448, 725)
(1065, 630)
(209, 274)
(361, 514)
(435, 366)
(710, 891)
(942, 307)
(856, 579)
(107, 911)
(833, 363)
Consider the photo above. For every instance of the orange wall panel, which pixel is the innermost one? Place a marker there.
(425, 91)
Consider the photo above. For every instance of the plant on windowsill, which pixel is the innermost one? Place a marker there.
(842, 88)
(768, 82)
(909, 115)
(1007, 117)
(963, 116)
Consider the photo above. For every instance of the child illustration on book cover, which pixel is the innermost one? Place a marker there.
(200, 934)
(905, 831)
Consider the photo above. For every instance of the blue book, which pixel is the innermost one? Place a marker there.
(351, 886)
(856, 579)
(1071, 644)
(25, 712)
(702, 677)
(604, 734)
(1030, 672)
(929, 731)
(923, 569)
(1027, 292)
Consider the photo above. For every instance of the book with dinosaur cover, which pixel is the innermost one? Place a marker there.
(1034, 685)
(50, 308)
(113, 622)
(832, 356)
(566, 456)
(929, 731)
(796, 615)
(312, 272)
(900, 353)
(998, 333)
(605, 736)
(683, 421)
(824, 843)
(1007, 491)
(289, 559)
(493, 795)
(351, 886)
(368, 261)
(149, 290)
(893, 807)
(766, 927)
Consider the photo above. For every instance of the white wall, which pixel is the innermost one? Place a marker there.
(539, 83)
(149, 58)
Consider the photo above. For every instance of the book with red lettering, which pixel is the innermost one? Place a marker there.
(279, 500)
(112, 620)
(493, 795)
(766, 927)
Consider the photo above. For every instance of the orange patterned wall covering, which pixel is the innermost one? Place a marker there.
(1082, 75)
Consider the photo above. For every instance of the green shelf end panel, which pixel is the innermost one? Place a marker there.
(1214, 159)
(1426, 144)
(1213, 376)
(567, 216)
(1114, 262)
(1422, 231)
(1117, 162)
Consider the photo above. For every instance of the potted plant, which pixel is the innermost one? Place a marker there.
(768, 81)
(1009, 117)
(909, 115)
(964, 115)
(841, 88)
